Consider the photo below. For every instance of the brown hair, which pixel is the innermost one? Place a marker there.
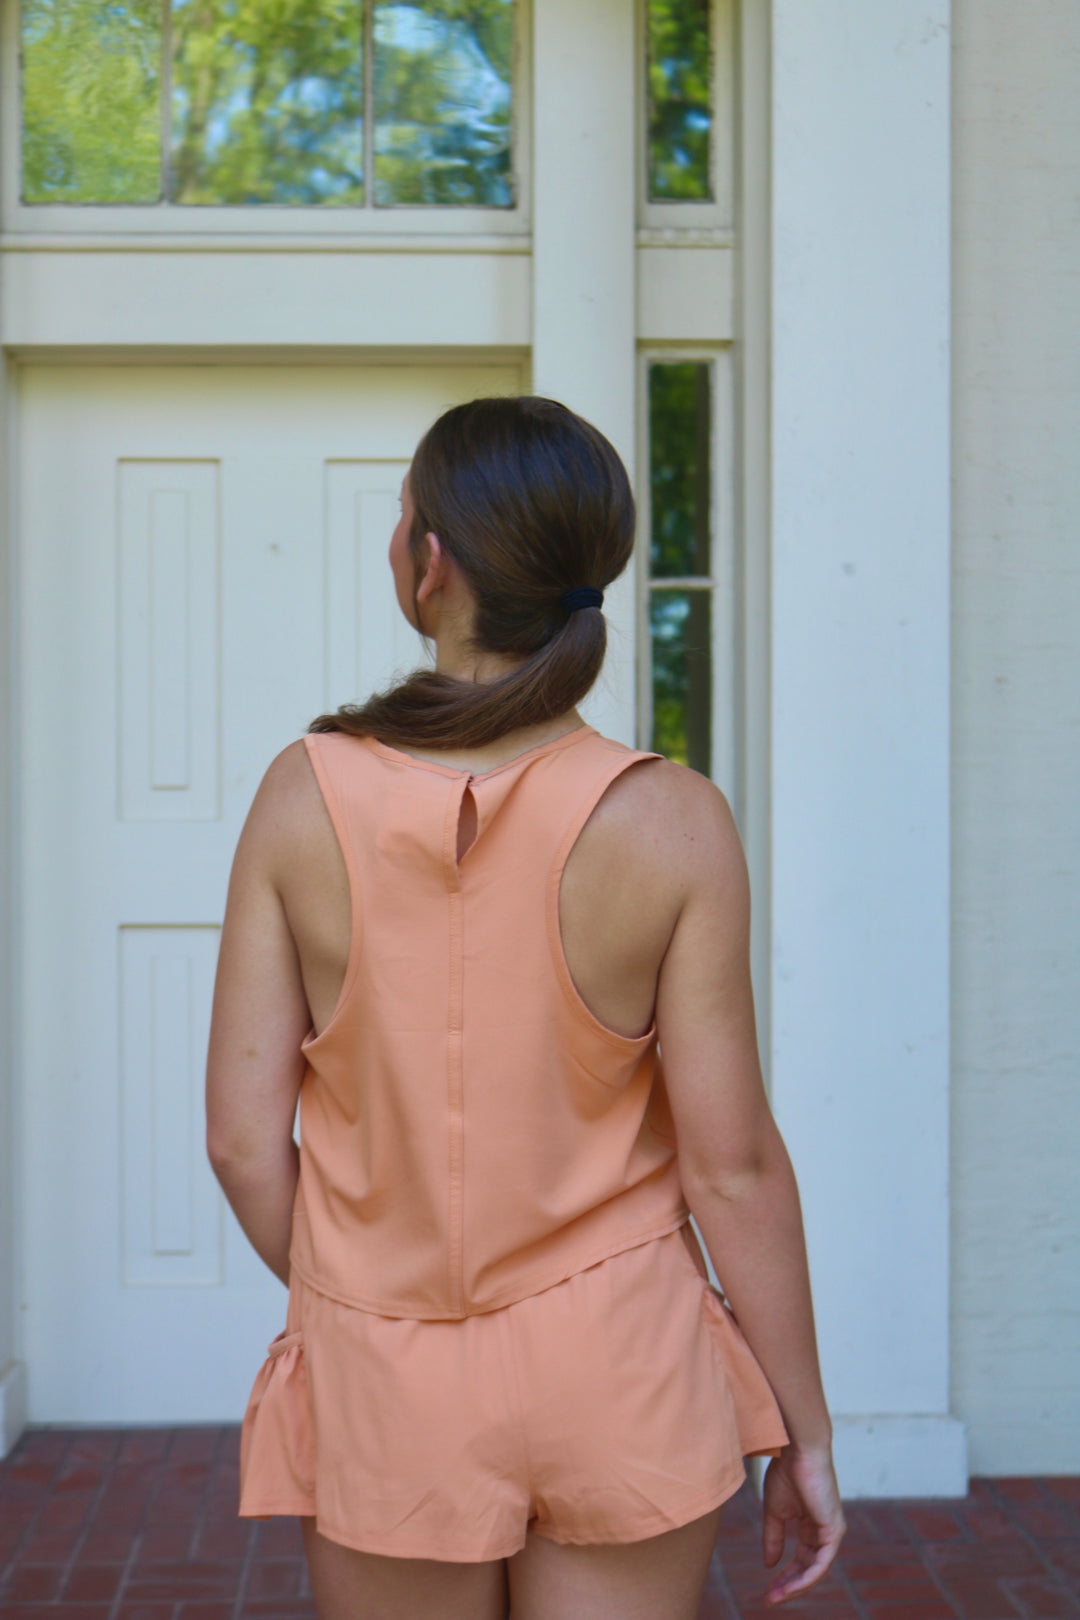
(529, 500)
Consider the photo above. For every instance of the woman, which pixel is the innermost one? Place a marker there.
(461, 925)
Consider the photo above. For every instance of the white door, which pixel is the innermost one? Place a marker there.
(203, 570)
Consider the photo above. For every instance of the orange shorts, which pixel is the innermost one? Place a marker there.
(616, 1405)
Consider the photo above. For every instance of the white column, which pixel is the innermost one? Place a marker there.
(12, 1370)
(583, 262)
(860, 711)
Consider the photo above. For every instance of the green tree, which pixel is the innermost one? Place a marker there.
(680, 112)
(267, 101)
(91, 131)
(443, 102)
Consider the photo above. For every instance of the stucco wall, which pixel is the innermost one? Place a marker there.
(1016, 733)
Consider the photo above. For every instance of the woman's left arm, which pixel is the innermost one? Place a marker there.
(260, 1015)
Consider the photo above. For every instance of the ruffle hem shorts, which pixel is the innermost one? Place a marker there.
(616, 1405)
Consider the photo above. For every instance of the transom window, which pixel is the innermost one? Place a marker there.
(686, 89)
(357, 103)
(678, 95)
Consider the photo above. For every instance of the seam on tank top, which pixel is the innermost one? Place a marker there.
(457, 771)
(352, 873)
(626, 1043)
(391, 1308)
(455, 1088)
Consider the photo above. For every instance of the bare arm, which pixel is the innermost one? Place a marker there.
(737, 1175)
(260, 1016)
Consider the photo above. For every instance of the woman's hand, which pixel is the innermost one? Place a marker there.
(801, 1485)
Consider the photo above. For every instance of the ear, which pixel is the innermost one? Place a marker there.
(434, 570)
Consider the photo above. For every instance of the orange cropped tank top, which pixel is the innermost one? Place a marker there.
(470, 1133)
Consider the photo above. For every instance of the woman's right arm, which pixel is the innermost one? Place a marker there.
(736, 1172)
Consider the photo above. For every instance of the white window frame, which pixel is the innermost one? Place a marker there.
(721, 580)
(319, 223)
(664, 220)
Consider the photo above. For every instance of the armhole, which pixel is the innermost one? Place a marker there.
(627, 1043)
(356, 920)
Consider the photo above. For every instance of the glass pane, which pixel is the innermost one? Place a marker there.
(91, 120)
(682, 677)
(267, 102)
(680, 114)
(679, 495)
(443, 102)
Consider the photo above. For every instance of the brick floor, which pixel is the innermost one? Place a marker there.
(140, 1524)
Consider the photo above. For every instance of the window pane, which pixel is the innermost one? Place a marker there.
(679, 496)
(91, 128)
(680, 114)
(267, 102)
(682, 676)
(443, 102)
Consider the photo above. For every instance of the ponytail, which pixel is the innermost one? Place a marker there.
(531, 501)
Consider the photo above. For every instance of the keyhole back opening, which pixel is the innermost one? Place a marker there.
(467, 824)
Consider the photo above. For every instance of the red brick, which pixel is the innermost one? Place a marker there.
(93, 1582)
(165, 1542)
(989, 1522)
(1045, 1520)
(1018, 1488)
(43, 1444)
(875, 1593)
(78, 1476)
(138, 1445)
(979, 1597)
(34, 1583)
(60, 1512)
(886, 1568)
(107, 1544)
(120, 1508)
(933, 1524)
(1064, 1556)
(998, 1558)
(912, 1611)
(32, 1474)
(275, 1577)
(56, 1611)
(45, 1545)
(287, 1609)
(280, 1538)
(183, 1580)
(197, 1441)
(1041, 1598)
(222, 1538)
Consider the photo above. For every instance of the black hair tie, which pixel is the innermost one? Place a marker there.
(582, 596)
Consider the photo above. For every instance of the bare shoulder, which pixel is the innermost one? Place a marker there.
(677, 820)
(287, 815)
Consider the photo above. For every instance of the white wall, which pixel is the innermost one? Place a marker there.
(1016, 734)
(12, 1371)
(860, 711)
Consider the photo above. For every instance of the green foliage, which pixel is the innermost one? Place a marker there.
(91, 127)
(682, 677)
(680, 112)
(679, 456)
(679, 546)
(443, 102)
(267, 101)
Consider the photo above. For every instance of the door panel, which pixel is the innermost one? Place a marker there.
(203, 570)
